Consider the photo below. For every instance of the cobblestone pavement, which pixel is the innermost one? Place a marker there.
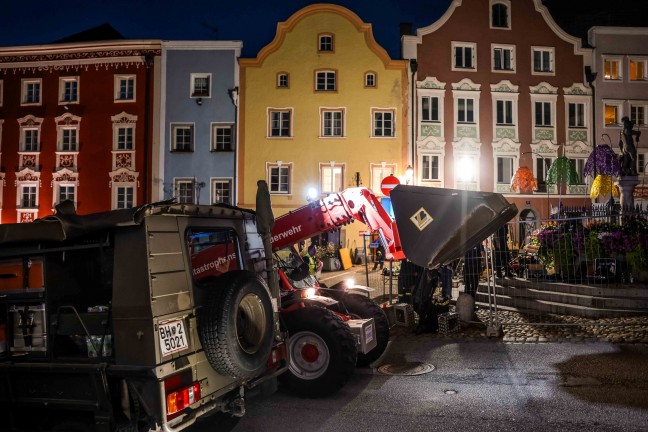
(517, 328)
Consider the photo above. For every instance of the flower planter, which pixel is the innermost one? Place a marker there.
(331, 264)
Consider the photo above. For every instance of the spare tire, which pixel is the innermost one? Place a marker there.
(235, 325)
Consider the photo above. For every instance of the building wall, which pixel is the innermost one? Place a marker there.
(219, 61)
(294, 51)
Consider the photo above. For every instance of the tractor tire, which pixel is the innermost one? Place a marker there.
(322, 352)
(235, 325)
(360, 306)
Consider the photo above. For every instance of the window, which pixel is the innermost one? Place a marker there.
(184, 190)
(370, 79)
(280, 123)
(221, 191)
(637, 70)
(542, 166)
(282, 80)
(30, 140)
(579, 165)
(543, 60)
(504, 110)
(543, 114)
(638, 114)
(222, 137)
(279, 178)
(325, 81)
(69, 140)
(464, 55)
(641, 163)
(503, 58)
(612, 112)
(200, 85)
(430, 167)
(325, 43)
(125, 88)
(504, 170)
(576, 112)
(465, 110)
(430, 109)
(332, 123)
(28, 197)
(66, 192)
(182, 138)
(466, 169)
(214, 252)
(124, 197)
(612, 69)
(331, 178)
(379, 171)
(499, 16)
(124, 138)
(69, 89)
(31, 91)
(383, 124)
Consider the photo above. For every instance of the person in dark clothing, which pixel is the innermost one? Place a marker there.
(380, 257)
(473, 267)
(502, 253)
(407, 278)
(445, 274)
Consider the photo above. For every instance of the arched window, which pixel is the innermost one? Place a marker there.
(499, 16)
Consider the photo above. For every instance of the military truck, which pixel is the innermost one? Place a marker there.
(136, 319)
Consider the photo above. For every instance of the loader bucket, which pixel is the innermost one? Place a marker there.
(439, 225)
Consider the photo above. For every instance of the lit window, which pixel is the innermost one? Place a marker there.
(279, 123)
(465, 110)
(576, 115)
(383, 124)
(325, 43)
(543, 115)
(182, 138)
(637, 70)
(464, 55)
(125, 88)
(282, 80)
(612, 69)
(125, 197)
(370, 79)
(31, 91)
(325, 81)
(331, 178)
(430, 109)
(504, 112)
(466, 169)
(279, 178)
(332, 123)
(504, 170)
(222, 138)
(221, 191)
(543, 60)
(200, 85)
(430, 167)
(612, 112)
(499, 16)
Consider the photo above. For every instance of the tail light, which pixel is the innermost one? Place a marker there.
(180, 399)
(277, 355)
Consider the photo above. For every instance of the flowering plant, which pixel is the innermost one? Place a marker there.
(328, 251)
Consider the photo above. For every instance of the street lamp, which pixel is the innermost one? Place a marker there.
(409, 173)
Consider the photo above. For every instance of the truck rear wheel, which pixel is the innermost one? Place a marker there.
(360, 306)
(322, 352)
(235, 325)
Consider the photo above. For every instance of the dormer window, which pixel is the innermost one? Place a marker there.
(500, 15)
(370, 80)
(325, 43)
(282, 80)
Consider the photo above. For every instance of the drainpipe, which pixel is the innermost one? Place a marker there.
(590, 77)
(413, 69)
(234, 95)
(149, 58)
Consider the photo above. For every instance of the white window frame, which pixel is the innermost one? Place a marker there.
(422, 110)
(466, 111)
(583, 124)
(280, 167)
(215, 128)
(618, 104)
(552, 60)
(379, 171)
(644, 107)
(327, 112)
(214, 182)
(125, 186)
(513, 163)
(643, 61)
(178, 182)
(62, 83)
(321, 43)
(118, 81)
(428, 177)
(22, 186)
(194, 93)
(30, 131)
(505, 101)
(464, 46)
(61, 129)
(25, 83)
(270, 111)
(370, 80)
(57, 191)
(552, 114)
(545, 164)
(326, 74)
(374, 121)
(511, 49)
(130, 132)
(613, 60)
(335, 174)
(283, 80)
(507, 4)
(175, 127)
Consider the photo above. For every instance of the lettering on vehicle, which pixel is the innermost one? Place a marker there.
(289, 232)
(173, 337)
(221, 264)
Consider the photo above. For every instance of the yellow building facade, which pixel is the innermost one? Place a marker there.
(322, 107)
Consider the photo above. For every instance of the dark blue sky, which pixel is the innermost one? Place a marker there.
(252, 21)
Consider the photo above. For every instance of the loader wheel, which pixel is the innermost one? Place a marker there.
(322, 352)
(235, 325)
(363, 307)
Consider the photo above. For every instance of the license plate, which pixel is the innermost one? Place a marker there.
(173, 337)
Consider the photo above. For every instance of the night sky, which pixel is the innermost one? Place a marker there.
(252, 21)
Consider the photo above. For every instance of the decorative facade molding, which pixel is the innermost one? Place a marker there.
(543, 88)
(504, 86)
(431, 83)
(466, 84)
(577, 89)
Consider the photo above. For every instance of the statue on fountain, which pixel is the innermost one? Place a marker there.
(628, 158)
